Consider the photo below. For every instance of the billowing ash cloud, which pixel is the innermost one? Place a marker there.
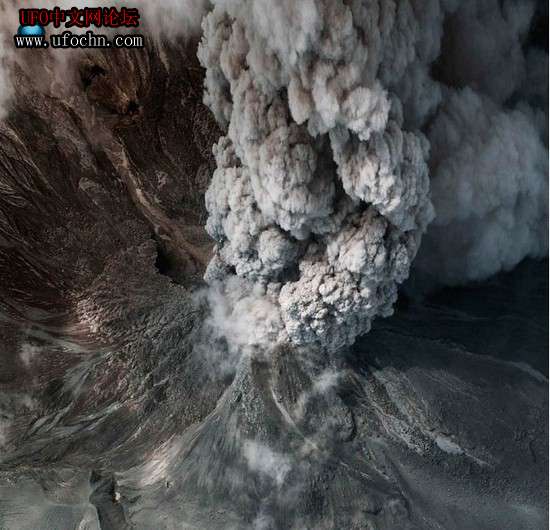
(333, 112)
(490, 187)
(489, 150)
(320, 195)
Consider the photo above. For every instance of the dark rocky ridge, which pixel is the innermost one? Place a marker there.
(114, 414)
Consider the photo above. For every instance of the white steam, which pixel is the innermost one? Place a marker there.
(171, 19)
(263, 460)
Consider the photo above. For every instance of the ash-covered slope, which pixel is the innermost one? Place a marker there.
(414, 428)
(89, 220)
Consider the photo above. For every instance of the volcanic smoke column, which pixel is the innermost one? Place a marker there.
(320, 197)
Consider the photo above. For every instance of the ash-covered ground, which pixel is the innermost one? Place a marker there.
(335, 319)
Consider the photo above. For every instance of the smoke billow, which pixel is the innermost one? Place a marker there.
(334, 112)
(489, 145)
(320, 195)
(490, 188)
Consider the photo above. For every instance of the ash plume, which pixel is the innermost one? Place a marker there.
(489, 143)
(320, 195)
(337, 117)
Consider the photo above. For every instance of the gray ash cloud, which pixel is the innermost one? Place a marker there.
(344, 122)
